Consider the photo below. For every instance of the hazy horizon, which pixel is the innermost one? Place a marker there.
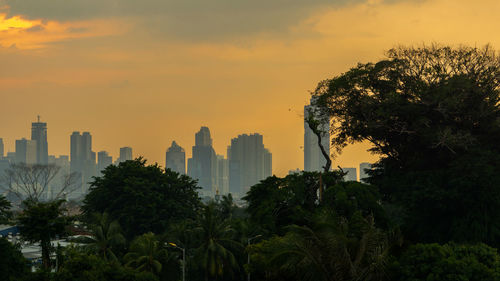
(143, 74)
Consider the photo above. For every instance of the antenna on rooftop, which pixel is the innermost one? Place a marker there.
(38, 117)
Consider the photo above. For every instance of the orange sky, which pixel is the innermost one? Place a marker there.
(143, 76)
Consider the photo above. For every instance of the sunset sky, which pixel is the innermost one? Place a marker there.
(144, 73)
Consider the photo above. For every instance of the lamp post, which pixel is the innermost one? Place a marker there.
(248, 243)
(183, 259)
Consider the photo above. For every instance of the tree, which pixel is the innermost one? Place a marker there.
(32, 182)
(146, 254)
(13, 266)
(431, 114)
(315, 118)
(80, 266)
(5, 213)
(330, 248)
(215, 253)
(143, 198)
(278, 202)
(449, 262)
(40, 223)
(106, 238)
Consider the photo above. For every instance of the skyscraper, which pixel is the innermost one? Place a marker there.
(175, 159)
(103, 160)
(125, 154)
(362, 171)
(351, 174)
(314, 160)
(83, 160)
(222, 175)
(1, 148)
(249, 162)
(26, 151)
(39, 134)
(76, 154)
(203, 164)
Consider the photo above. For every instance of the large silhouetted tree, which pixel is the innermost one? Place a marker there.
(143, 198)
(432, 115)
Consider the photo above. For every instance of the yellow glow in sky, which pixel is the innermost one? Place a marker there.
(131, 82)
(15, 22)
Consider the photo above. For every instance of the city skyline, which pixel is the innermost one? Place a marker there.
(247, 68)
(351, 157)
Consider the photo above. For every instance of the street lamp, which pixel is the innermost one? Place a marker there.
(248, 243)
(183, 259)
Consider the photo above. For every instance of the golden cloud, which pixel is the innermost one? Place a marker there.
(21, 33)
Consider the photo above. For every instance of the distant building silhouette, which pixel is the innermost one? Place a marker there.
(103, 160)
(64, 169)
(222, 175)
(125, 154)
(39, 134)
(314, 161)
(362, 171)
(351, 174)
(26, 151)
(203, 164)
(83, 159)
(249, 163)
(1, 148)
(175, 158)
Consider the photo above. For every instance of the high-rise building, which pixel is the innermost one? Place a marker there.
(60, 178)
(222, 175)
(249, 162)
(83, 159)
(203, 164)
(314, 161)
(175, 159)
(351, 174)
(103, 161)
(26, 151)
(39, 134)
(125, 154)
(1, 148)
(363, 167)
(11, 156)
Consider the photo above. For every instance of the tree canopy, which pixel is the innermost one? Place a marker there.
(143, 198)
(432, 114)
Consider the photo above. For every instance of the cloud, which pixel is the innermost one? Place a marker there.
(182, 19)
(21, 33)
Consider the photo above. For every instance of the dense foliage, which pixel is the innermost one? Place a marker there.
(5, 213)
(450, 262)
(40, 223)
(143, 198)
(432, 115)
(13, 266)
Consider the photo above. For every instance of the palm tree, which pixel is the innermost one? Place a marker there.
(332, 249)
(215, 254)
(106, 237)
(146, 254)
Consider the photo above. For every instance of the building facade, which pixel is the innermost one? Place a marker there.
(202, 166)
(125, 154)
(175, 159)
(363, 167)
(351, 174)
(26, 151)
(103, 161)
(249, 163)
(39, 134)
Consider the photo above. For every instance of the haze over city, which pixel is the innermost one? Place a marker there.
(249, 140)
(144, 74)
